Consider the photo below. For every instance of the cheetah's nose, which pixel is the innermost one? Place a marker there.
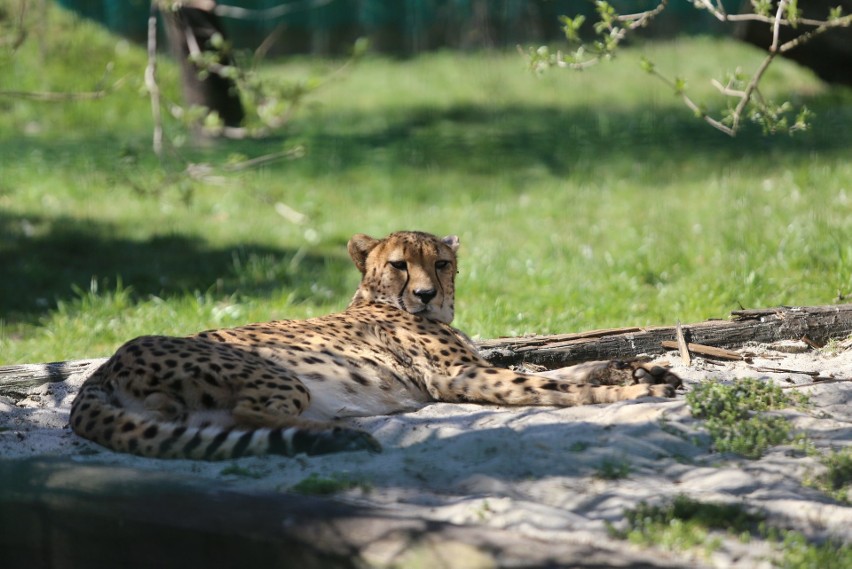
(425, 295)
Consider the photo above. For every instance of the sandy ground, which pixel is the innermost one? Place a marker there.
(534, 470)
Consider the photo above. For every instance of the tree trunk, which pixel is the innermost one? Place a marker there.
(190, 28)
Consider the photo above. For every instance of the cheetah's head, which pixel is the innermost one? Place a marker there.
(411, 270)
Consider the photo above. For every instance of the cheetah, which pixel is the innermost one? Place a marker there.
(281, 387)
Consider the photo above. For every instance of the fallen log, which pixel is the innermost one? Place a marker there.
(818, 324)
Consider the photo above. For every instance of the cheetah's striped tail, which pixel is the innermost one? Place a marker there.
(95, 417)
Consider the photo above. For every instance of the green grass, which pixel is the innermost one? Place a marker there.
(613, 469)
(581, 200)
(836, 479)
(685, 524)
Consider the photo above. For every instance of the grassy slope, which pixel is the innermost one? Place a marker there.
(582, 200)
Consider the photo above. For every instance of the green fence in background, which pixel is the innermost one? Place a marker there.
(399, 26)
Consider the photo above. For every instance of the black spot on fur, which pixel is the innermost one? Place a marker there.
(208, 401)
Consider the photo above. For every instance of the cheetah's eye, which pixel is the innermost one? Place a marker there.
(399, 265)
(441, 264)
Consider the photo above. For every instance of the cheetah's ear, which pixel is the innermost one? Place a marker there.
(451, 241)
(359, 247)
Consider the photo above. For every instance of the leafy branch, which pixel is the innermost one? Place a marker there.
(742, 91)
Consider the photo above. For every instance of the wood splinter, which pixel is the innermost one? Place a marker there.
(709, 351)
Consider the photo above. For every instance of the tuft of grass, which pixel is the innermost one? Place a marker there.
(799, 553)
(613, 469)
(315, 485)
(685, 524)
(236, 470)
(735, 415)
(836, 480)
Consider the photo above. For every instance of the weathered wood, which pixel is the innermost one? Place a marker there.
(60, 513)
(819, 323)
(17, 378)
(682, 345)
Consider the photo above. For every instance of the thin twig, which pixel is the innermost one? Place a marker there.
(55, 96)
(693, 106)
(719, 13)
(151, 80)
(776, 26)
(291, 153)
(750, 88)
(844, 22)
(816, 381)
(640, 19)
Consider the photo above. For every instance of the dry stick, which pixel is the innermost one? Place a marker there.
(151, 81)
(54, 96)
(682, 346)
(710, 351)
(816, 381)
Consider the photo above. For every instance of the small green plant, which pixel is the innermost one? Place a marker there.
(613, 469)
(836, 481)
(799, 553)
(735, 415)
(579, 446)
(236, 470)
(315, 485)
(685, 524)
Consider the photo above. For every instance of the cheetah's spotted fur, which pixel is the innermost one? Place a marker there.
(278, 387)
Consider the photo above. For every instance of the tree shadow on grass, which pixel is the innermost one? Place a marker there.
(565, 141)
(45, 259)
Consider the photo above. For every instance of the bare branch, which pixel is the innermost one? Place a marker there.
(843, 22)
(693, 106)
(55, 96)
(640, 19)
(776, 26)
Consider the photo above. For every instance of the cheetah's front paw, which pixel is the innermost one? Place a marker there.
(649, 374)
(646, 390)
